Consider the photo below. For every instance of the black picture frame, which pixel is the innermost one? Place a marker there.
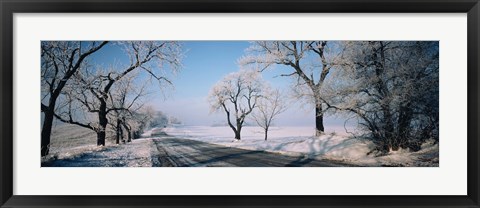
(10, 7)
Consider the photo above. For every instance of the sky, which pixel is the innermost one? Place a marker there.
(205, 63)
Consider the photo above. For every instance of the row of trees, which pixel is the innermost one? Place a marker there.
(77, 90)
(390, 87)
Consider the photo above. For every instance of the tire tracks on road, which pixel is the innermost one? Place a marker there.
(162, 158)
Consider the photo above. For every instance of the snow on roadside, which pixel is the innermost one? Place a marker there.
(300, 141)
(148, 133)
(134, 154)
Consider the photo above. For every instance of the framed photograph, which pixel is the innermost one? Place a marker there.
(239, 104)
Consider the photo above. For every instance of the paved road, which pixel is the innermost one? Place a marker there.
(190, 153)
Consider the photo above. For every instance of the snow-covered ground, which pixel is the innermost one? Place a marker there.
(75, 146)
(334, 145)
(134, 154)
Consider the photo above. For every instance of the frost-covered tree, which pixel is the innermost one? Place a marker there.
(125, 98)
(155, 59)
(159, 119)
(60, 60)
(393, 88)
(237, 94)
(141, 120)
(174, 120)
(310, 63)
(269, 106)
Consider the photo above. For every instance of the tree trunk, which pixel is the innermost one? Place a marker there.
(129, 133)
(237, 135)
(389, 133)
(266, 133)
(119, 131)
(404, 120)
(239, 128)
(103, 121)
(101, 138)
(46, 132)
(129, 136)
(122, 137)
(49, 112)
(319, 129)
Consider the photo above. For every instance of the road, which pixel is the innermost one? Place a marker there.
(190, 153)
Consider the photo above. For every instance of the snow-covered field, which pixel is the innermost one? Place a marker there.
(336, 144)
(76, 146)
(135, 154)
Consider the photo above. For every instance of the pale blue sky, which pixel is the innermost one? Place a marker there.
(204, 64)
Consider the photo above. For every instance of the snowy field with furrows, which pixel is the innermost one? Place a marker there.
(335, 144)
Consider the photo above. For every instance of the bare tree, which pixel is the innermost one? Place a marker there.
(155, 58)
(269, 106)
(237, 93)
(310, 61)
(60, 60)
(392, 87)
(159, 119)
(125, 98)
